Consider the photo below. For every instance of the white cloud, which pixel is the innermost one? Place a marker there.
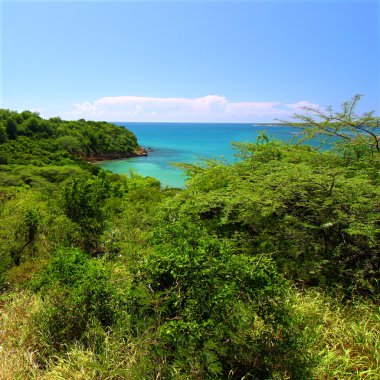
(212, 108)
(299, 106)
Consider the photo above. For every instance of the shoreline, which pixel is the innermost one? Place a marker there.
(98, 158)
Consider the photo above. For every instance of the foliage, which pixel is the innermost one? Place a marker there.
(78, 296)
(30, 227)
(357, 135)
(26, 138)
(214, 313)
(317, 218)
(18, 338)
(83, 199)
(253, 271)
(344, 337)
(22, 176)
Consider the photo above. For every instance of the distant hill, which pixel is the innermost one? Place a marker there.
(27, 138)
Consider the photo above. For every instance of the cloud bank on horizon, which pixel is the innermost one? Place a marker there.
(210, 108)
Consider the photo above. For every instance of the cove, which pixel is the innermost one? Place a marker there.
(190, 143)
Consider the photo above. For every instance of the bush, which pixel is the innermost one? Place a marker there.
(318, 217)
(214, 313)
(83, 198)
(79, 297)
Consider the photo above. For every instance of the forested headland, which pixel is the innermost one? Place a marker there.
(267, 268)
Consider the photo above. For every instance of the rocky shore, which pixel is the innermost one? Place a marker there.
(98, 157)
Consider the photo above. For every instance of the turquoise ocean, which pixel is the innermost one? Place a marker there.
(190, 143)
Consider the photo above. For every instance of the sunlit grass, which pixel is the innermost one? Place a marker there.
(18, 357)
(344, 339)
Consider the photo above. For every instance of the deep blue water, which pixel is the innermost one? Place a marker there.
(189, 142)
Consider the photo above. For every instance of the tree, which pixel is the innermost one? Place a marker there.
(83, 200)
(3, 134)
(69, 143)
(11, 127)
(360, 133)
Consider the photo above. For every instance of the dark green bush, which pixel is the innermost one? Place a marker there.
(214, 313)
(79, 296)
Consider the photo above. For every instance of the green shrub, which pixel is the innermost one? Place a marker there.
(79, 297)
(83, 198)
(214, 313)
(317, 216)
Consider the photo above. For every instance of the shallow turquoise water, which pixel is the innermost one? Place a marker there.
(188, 142)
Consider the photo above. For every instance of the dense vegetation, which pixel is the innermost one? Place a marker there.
(265, 269)
(28, 139)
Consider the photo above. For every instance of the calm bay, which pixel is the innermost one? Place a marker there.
(190, 143)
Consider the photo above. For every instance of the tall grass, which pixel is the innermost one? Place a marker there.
(345, 339)
(25, 355)
(18, 341)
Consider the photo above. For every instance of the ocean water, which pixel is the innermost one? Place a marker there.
(190, 143)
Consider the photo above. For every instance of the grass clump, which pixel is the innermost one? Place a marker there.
(18, 338)
(344, 338)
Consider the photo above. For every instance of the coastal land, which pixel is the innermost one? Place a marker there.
(265, 268)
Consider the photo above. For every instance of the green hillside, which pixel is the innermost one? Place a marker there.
(267, 268)
(28, 139)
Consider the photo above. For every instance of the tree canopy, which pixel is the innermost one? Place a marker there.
(358, 134)
(26, 138)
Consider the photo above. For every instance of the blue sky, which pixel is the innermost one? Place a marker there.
(241, 61)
